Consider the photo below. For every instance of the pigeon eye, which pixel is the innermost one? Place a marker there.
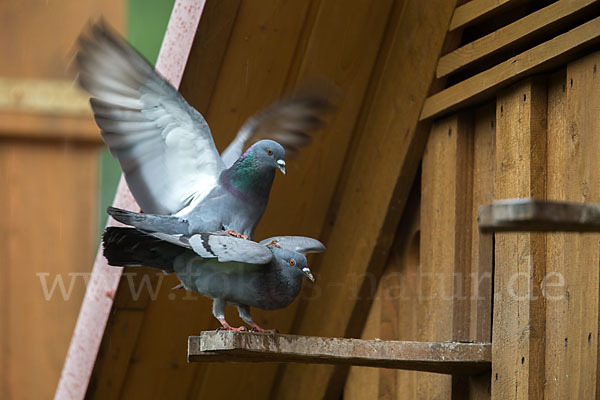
(292, 263)
(270, 152)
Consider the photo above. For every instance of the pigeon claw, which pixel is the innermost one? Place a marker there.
(236, 234)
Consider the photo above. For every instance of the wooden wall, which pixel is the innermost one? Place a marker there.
(539, 139)
(405, 259)
(49, 150)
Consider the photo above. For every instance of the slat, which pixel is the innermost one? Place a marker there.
(443, 357)
(519, 310)
(529, 215)
(474, 10)
(544, 21)
(542, 57)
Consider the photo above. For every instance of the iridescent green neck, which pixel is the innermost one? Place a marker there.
(248, 177)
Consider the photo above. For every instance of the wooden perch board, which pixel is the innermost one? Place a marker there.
(529, 215)
(455, 358)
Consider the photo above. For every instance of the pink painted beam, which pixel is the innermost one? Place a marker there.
(98, 299)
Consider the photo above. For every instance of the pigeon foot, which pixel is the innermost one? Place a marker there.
(227, 327)
(256, 328)
(236, 234)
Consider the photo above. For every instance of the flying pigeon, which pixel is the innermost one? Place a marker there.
(266, 275)
(165, 147)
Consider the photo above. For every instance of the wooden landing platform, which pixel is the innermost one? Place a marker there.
(529, 215)
(455, 358)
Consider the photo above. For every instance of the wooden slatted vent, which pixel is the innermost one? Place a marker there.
(506, 40)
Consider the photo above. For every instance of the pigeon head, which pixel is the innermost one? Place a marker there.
(251, 176)
(292, 261)
(268, 153)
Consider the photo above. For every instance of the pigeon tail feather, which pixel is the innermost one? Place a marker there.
(128, 247)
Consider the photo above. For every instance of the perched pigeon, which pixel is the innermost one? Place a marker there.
(266, 275)
(165, 146)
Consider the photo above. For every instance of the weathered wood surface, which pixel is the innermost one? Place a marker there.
(519, 320)
(443, 357)
(530, 215)
(572, 278)
(546, 21)
(543, 57)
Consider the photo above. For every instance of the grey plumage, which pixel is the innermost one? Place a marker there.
(165, 146)
(228, 269)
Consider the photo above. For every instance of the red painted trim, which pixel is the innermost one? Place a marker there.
(98, 299)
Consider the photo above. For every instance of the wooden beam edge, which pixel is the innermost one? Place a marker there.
(530, 215)
(542, 57)
(456, 358)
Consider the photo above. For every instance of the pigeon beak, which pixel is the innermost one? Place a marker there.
(281, 166)
(308, 274)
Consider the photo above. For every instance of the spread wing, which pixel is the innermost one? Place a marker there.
(301, 244)
(287, 122)
(164, 146)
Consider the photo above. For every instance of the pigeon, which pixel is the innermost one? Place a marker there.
(266, 275)
(165, 146)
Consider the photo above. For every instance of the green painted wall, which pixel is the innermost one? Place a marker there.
(146, 24)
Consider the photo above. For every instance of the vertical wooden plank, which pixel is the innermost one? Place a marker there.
(49, 219)
(445, 243)
(484, 167)
(519, 308)
(573, 173)
(7, 272)
(482, 254)
(582, 252)
(557, 307)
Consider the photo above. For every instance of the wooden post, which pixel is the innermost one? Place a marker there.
(519, 309)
